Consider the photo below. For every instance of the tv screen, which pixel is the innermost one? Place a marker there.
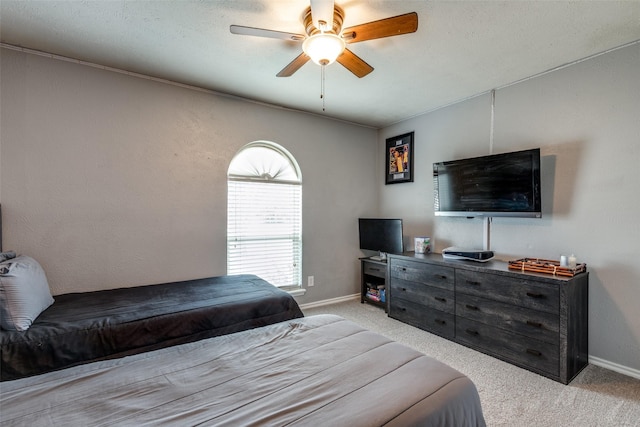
(381, 235)
(505, 184)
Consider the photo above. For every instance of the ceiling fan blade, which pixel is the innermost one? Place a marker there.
(322, 14)
(354, 63)
(394, 26)
(294, 65)
(261, 32)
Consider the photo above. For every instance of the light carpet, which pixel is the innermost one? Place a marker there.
(512, 396)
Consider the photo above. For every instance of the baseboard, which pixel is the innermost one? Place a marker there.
(330, 301)
(625, 370)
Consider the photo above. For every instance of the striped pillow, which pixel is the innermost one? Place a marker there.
(24, 293)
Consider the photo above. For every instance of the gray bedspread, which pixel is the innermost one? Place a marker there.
(319, 370)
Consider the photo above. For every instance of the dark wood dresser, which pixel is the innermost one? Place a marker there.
(536, 321)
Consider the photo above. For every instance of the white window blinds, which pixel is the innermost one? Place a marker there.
(264, 227)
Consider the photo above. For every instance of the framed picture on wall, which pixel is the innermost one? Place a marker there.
(399, 166)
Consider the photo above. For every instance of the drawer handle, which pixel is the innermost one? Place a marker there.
(472, 332)
(440, 299)
(471, 282)
(535, 324)
(472, 307)
(404, 268)
(534, 352)
(440, 276)
(535, 295)
(404, 289)
(440, 322)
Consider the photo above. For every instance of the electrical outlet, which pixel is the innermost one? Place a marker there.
(310, 281)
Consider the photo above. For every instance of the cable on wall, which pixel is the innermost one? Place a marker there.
(486, 226)
(493, 109)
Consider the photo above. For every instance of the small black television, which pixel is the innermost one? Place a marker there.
(382, 235)
(498, 185)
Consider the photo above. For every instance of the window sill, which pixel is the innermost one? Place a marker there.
(297, 292)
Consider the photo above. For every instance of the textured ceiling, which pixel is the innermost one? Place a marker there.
(461, 48)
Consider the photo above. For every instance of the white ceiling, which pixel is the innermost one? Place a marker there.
(461, 48)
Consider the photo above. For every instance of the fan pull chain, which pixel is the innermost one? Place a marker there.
(322, 85)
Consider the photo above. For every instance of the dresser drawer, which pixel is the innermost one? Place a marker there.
(523, 351)
(521, 292)
(425, 295)
(435, 321)
(531, 323)
(433, 275)
(373, 269)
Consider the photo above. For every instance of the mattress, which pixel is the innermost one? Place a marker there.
(318, 370)
(91, 326)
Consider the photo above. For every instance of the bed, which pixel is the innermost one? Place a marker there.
(84, 327)
(312, 371)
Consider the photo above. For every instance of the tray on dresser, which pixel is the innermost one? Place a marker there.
(546, 266)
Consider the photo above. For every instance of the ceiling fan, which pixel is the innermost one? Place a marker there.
(325, 40)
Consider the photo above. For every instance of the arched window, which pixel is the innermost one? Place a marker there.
(264, 214)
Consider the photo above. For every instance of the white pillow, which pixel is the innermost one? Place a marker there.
(24, 293)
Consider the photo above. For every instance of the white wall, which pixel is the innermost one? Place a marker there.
(586, 120)
(111, 180)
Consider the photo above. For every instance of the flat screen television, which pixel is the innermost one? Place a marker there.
(499, 185)
(382, 235)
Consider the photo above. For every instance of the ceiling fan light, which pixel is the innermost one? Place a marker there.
(323, 48)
